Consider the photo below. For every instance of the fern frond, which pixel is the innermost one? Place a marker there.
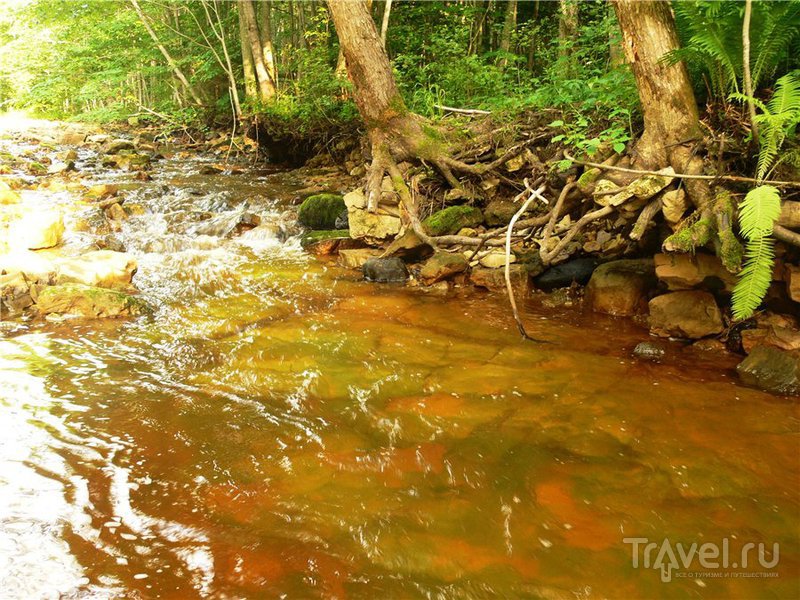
(786, 98)
(780, 26)
(759, 211)
(755, 278)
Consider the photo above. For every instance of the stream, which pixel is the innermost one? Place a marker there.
(279, 428)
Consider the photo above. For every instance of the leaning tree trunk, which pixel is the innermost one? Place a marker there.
(509, 26)
(176, 70)
(671, 121)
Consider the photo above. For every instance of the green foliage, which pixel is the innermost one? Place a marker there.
(711, 35)
(778, 119)
(757, 215)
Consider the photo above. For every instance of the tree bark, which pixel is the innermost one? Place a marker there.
(266, 87)
(387, 10)
(250, 81)
(748, 80)
(671, 121)
(509, 26)
(267, 47)
(167, 56)
(567, 27)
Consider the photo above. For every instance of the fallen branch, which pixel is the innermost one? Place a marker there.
(786, 235)
(680, 175)
(534, 194)
(548, 257)
(462, 111)
(647, 215)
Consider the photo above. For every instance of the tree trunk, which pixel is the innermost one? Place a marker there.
(671, 121)
(266, 87)
(250, 81)
(567, 29)
(387, 10)
(167, 56)
(267, 47)
(509, 26)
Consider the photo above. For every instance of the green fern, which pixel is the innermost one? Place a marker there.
(757, 215)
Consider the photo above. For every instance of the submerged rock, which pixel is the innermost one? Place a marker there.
(495, 280)
(578, 270)
(355, 259)
(688, 314)
(441, 266)
(772, 370)
(15, 294)
(321, 211)
(385, 270)
(621, 287)
(451, 219)
(654, 351)
(88, 301)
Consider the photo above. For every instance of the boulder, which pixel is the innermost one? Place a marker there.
(772, 370)
(35, 266)
(408, 246)
(621, 287)
(685, 272)
(450, 220)
(101, 192)
(385, 270)
(495, 279)
(322, 243)
(441, 266)
(578, 270)
(88, 301)
(37, 230)
(380, 225)
(101, 268)
(783, 338)
(499, 212)
(117, 145)
(793, 282)
(496, 259)
(355, 258)
(321, 211)
(687, 314)
(15, 294)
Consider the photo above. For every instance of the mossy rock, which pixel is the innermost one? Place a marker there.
(452, 219)
(88, 301)
(320, 211)
(312, 237)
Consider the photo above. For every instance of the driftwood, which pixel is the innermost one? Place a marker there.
(534, 194)
(462, 111)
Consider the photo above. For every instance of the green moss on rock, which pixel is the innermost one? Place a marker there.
(452, 219)
(312, 237)
(320, 211)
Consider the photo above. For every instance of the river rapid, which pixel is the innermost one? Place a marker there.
(279, 428)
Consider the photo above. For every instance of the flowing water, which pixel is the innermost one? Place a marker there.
(278, 428)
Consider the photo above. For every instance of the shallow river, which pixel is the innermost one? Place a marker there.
(280, 429)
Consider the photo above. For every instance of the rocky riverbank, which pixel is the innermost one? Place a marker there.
(675, 298)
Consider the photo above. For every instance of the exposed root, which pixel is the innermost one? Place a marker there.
(648, 214)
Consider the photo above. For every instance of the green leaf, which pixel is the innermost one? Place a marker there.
(619, 147)
(558, 123)
(565, 164)
(557, 138)
(759, 211)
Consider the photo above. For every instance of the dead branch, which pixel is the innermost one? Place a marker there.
(554, 213)
(548, 257)
(462, 111)
(680, 175)
(533, 195)
(647, 215)
(786, 235)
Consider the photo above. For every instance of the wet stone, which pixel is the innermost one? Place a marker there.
(385, 270)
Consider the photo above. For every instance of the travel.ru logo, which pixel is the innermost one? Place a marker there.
(714, 558)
